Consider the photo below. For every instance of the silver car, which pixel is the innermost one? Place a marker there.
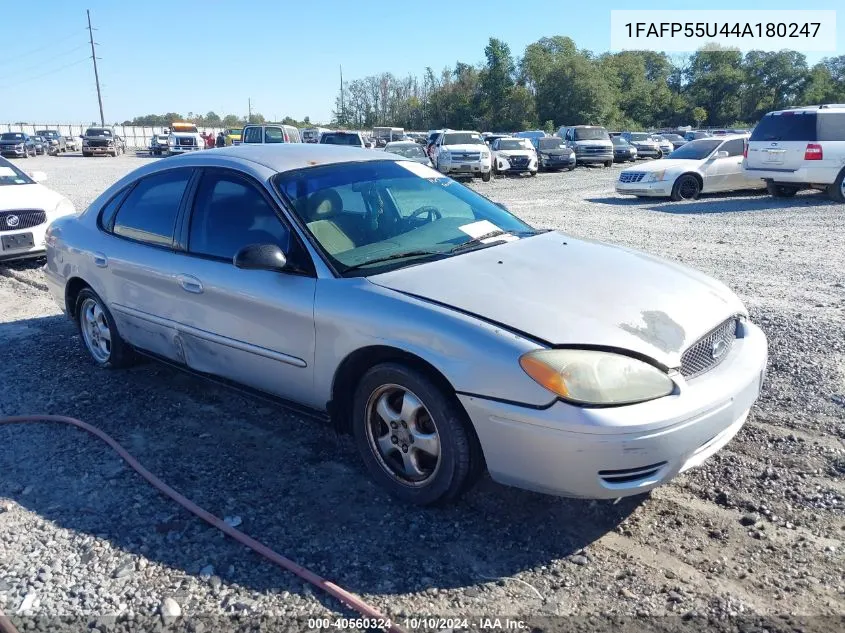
(445, 334)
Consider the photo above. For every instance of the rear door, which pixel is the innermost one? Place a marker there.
(255, 327)
(139, 262)
(780, 139)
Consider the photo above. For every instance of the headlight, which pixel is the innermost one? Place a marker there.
(485, 155)
(595, 377)
(656, 176)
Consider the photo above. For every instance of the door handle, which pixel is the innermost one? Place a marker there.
(100, 260)
(190, 283)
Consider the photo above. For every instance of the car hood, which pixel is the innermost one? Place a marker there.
(35, 196)
(566, 291)
(664, 164)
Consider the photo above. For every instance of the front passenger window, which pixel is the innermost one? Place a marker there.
(230, 213)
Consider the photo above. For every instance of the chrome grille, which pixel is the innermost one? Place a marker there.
(26, 218)
(631, 176)
(186, 142)
(466, 156)
(700, 357)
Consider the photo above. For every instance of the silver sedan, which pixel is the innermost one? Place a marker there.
(445, 334)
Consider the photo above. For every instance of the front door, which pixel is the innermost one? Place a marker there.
(255, 327)
(725, 174)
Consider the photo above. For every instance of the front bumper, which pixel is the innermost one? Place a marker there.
(648, 152)
(660, 188)
(36, 250)
(99, 150)
(469, 169)
(585, 159)
(557, 162)
(606, 453)
(12, 151)
(181, 149)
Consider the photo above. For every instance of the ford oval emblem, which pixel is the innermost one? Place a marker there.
(718, 349)
(12, 220)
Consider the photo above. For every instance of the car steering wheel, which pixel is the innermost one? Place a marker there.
(433, 214)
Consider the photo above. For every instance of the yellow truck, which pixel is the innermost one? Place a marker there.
(232, 136)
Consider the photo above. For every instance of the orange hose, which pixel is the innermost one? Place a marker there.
(307, 575)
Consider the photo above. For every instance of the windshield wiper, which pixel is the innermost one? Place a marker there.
(388, 258)
(479, 242)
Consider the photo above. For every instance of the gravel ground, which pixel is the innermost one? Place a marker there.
(757, 531)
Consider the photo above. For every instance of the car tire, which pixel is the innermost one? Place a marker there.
(686, 187)
(608, 163)
(99, 332)
(442, 467)
(570, 168)
(836, 191)
(532, 173)
(485, 176)
(780, 191)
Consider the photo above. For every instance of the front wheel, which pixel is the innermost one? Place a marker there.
(608, 163)
(532, 173)
(486, 175)
(570, 168)
(686, 187)
(99, 332)
(414, 438)
(780, 191)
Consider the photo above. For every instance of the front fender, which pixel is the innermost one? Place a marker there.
(476, 357)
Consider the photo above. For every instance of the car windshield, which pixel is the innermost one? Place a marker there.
(11, 136)
(462, 138)
(618, 140)
(514, 143)
(340, 139)
(696, 150)
(362, 213)
(96, 131)
(48, 134)
(551, 143)
(408, 151)
(591, 134)
(640, 136)
(11, 175)
(673, 137)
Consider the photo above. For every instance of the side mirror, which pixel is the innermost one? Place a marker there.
(261, 257)
(721, 154)
(38, 176)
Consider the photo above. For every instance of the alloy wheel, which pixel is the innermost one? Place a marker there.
(95, 330)
(402, 435)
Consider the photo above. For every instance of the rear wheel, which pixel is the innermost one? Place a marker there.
(686, 187)
(836, 191)
(414, 438)
(99, 332)
(608, 163)
(486, 175)
(780, 191)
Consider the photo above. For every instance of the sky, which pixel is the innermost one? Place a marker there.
(201, 55)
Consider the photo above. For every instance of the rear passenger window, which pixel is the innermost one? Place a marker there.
(150, 210)
(273, 135)
(832, 127)
(252, 135)
(734, 148)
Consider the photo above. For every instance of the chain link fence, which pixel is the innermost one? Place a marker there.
(136, 136)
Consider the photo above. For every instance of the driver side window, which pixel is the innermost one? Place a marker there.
(230, 213)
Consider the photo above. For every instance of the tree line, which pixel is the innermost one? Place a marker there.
(210, 119)
(555, 83)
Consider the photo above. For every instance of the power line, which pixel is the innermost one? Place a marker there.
(26, 69)
(51, 72)
(6, 60)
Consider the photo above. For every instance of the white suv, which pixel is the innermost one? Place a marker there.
(462, 153)
(800, 148)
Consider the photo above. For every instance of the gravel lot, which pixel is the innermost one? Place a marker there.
(759, 530)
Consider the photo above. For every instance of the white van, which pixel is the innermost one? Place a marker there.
(799, 148)
(591, 143)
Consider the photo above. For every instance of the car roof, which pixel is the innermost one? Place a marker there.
(283, 156)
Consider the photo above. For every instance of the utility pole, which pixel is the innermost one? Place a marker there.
(249, 110)
(96, 74)
(342, 118)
